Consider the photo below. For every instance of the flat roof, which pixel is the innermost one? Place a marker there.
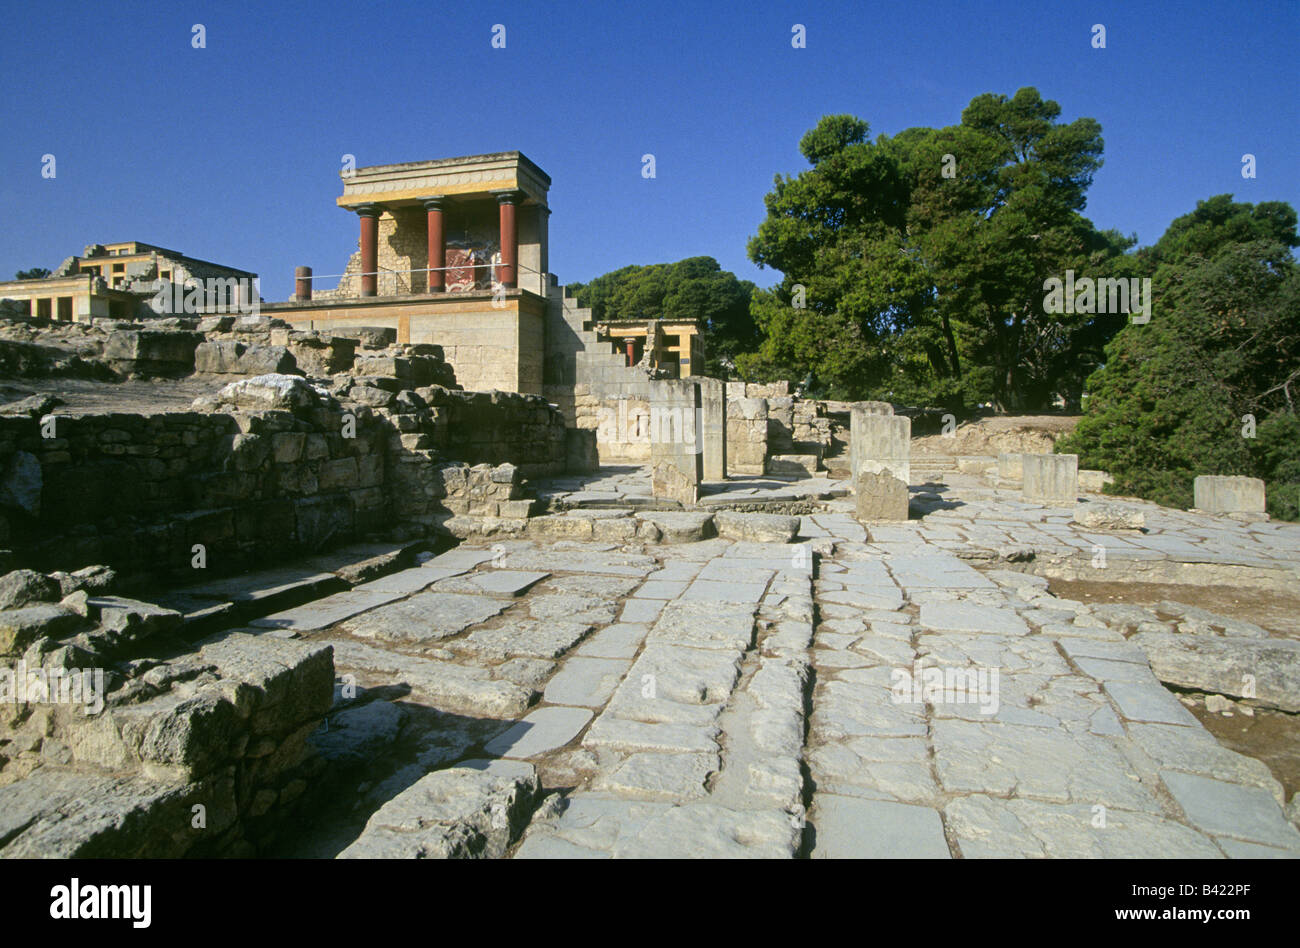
(462, 160)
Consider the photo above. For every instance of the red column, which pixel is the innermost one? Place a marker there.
(631, 352)
(509, 237)
(437, 244)
(302, 283)
(369, 214)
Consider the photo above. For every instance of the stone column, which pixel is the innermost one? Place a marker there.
(1050, 479)
(747, 434)
(437, 244)
(302, 283)
(857, 412)
(1222, 494)
(1010, 469)
(369, 214)
(884, 466)
(676, 464)
(508, 200)
(631, 352)
(686, 358)
(713, 427)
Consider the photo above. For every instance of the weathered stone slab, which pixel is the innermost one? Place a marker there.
(793, 465)
(624, 735)
(1216, 494)
(1010, 469)
(1051, 479)
(676, 777)
(55, 814)
(687, 675)
(531, 637)
(323, 613)
(856, 828)
(460, 813)
(756, 527)
(706, 624)
(506, 583)
(406, 581)
(971, 617)
(1149, 703)
(708, 831)
(684, 527)
(20, 627)
(463, 558)
(586, 682)
(714, 590)
(615, 641)
(540, 732)
(881, 455)
(571, 561)
(1229, 809)
(424, 617)
(1047, 763)
(356, 735)
(444, 685)
(1106, 516)
(1267, 670)
(988, 828)
(938, 571)
(879, 496)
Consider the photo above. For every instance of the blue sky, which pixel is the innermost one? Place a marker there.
(231, 153)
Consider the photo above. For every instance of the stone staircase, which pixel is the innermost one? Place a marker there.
(594, 361)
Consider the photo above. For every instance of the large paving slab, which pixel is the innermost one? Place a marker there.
(425, 617)
(539, 732)
(322, 613)
(855, 828)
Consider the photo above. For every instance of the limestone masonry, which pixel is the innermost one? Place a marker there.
(430, 563)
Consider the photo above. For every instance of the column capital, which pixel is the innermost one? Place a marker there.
(509, 197)
(436, 203)
(367, 210)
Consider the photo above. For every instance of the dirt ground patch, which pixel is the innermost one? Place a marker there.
(1276, 612)
(1033, 434)
(134, 396)
(1272, 737)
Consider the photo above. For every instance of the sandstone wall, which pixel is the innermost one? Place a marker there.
(621, 423)
(254, 484)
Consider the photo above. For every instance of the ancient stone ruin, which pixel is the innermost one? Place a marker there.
(320, 582)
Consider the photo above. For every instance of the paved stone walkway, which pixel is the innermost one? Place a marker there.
(860, 692)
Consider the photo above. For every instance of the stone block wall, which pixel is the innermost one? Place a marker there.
(253, 483)
(139, 491)
(746, 435)
(677, 464)
(811, 427)
(621, 423)
(204, 754)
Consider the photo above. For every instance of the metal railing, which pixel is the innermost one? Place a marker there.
(390, 282)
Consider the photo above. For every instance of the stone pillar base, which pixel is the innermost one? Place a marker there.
(1221, 494)
(879, 496)
(1051, 479)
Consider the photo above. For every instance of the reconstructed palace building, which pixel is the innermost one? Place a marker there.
(455, 252)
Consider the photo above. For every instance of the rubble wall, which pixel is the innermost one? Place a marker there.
(138, 492)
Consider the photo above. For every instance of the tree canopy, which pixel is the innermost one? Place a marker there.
(914, 265)
(1210, 384)
(35, 273)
